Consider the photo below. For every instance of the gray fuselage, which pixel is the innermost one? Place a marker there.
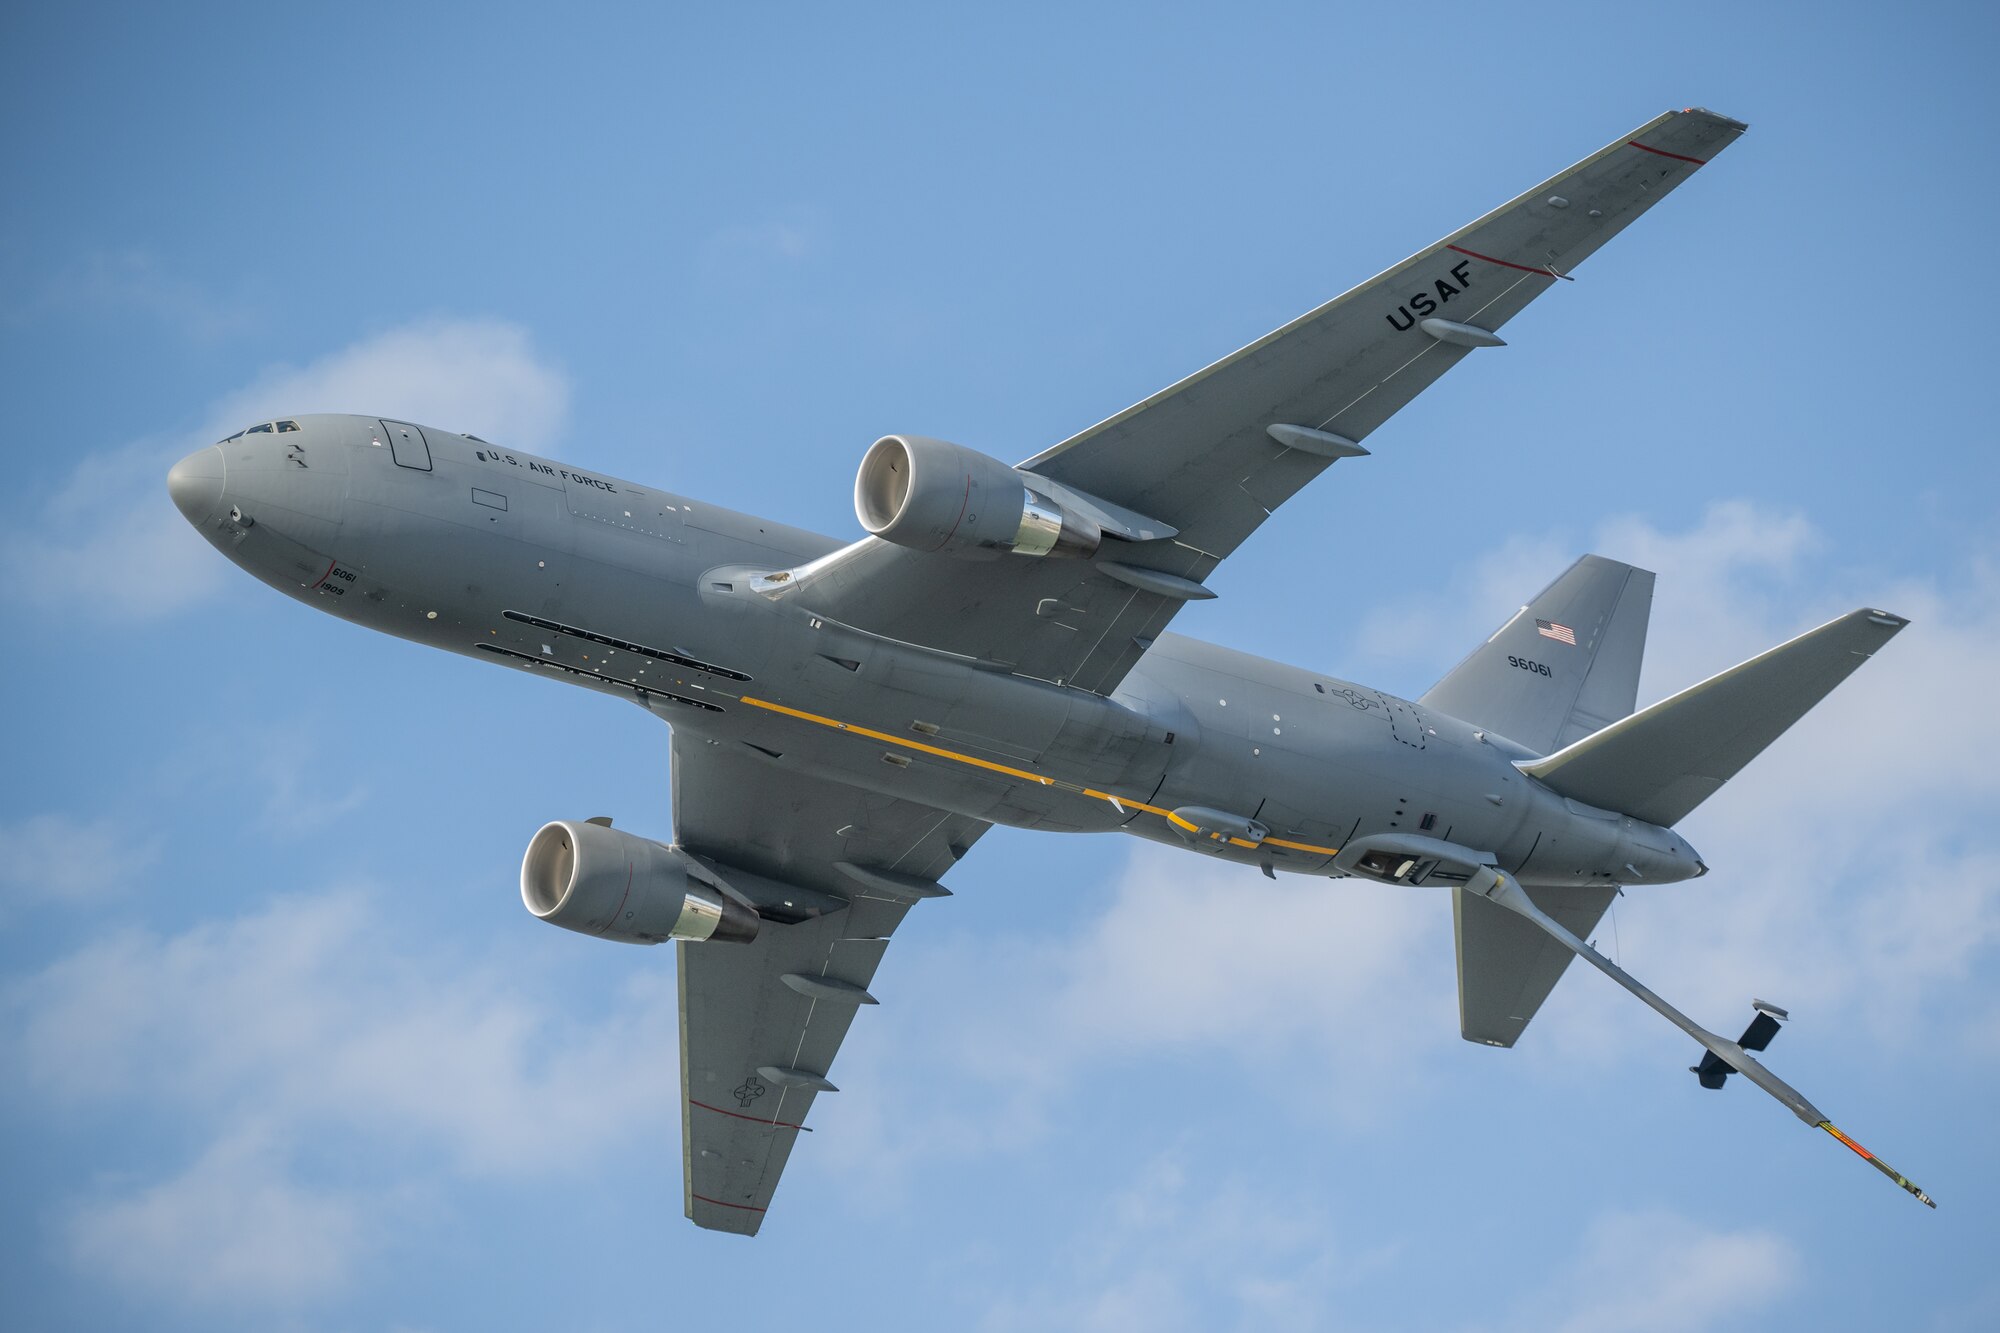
(633, 591)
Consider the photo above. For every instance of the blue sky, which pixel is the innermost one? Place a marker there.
(283, 1049)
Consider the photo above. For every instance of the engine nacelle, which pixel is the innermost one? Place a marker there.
(600, 881)
(933, 496)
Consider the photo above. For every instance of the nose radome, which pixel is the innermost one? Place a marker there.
(196, 484)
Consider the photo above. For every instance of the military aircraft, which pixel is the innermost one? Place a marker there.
(848, 718)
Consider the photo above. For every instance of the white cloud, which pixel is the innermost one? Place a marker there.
(56, 856)
(121, 283)
(1180, 1248)
(751, 250)
(109, 542)
(1713, 599)
(1655, 1272)
(1432, 632)
(317, 1023)
(1201, 953)
(1185, 1246)
(233, 1229)
(1192, 958)
(318, 1010)
(288, 771)
(481, 376)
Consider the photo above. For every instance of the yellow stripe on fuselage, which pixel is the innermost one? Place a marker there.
(1120, 803)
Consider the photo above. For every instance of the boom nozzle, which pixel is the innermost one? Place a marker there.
(1880, 1165)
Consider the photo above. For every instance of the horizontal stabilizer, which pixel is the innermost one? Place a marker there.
(1663, 761)
(1506, 964)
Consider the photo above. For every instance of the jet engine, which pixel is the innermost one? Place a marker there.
(933, 496)
(592, 878)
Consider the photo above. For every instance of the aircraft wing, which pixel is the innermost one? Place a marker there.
(1199, 456)
(760, 1022)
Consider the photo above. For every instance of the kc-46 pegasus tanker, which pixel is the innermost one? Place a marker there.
(848, 718)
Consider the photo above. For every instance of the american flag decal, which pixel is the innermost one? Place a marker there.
(1549, 629)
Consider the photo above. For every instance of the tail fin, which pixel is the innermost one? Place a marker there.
(1565, 666)
(1658, 764)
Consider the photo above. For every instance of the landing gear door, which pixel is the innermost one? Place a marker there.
(408, 444)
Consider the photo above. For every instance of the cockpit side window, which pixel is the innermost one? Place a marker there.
(265, 428)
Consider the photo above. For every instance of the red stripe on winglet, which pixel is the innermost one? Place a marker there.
(722, 1203)
(1503, 263)
(1661, 152)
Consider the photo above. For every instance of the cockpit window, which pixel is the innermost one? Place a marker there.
(265, 428)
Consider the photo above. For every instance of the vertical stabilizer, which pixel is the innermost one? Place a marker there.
(1565, 666)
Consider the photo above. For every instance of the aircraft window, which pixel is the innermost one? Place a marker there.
(237, 436)
(287, 425)
(267, 427)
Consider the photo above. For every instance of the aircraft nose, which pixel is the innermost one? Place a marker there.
(196, 484)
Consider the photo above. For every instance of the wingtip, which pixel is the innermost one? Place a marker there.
(1738, 125)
